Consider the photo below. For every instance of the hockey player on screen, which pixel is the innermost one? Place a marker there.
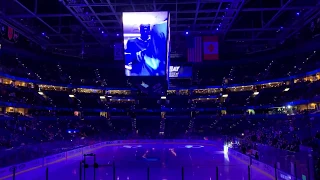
(149, 58)
(139, 44)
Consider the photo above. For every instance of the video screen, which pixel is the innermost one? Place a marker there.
(146, 39)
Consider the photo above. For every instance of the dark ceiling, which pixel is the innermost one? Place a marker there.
(68, 26)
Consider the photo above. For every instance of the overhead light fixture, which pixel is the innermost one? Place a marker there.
(41, 93)
(286, 89)
(256, 93)
(225, 95)
(163, 97)
(102, 97)
(71, 95)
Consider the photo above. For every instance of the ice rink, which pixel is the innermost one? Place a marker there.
(149, 161)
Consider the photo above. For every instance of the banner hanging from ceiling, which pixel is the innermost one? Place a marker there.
(210, 48)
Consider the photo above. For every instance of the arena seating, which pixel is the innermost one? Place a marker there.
(93, 74)
(223, 110)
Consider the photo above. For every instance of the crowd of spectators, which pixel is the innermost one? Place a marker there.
(64, 72)
(272, 137)
(287, 134)
(297, 135)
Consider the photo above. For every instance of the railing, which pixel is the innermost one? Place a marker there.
(27, 152)
(116, 171)
(273, 171)
(91, 167)
(177, 173)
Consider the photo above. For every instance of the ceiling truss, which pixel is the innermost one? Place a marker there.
(98, 22)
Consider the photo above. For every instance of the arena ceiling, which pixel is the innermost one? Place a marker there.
(69, 26)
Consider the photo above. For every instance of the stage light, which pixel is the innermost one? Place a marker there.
(71, 95)
(298, 13)
(255, 93)
(102, 32)
(225, 95)
(117, 34)
(43, 34)
(187, 33)
(139, 18)
(286, 89)
(41, 93)
(102, 97)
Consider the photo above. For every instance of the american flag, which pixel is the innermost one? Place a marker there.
(195, 49)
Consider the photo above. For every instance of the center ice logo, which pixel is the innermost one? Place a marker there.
(132, 147)
(193, 146)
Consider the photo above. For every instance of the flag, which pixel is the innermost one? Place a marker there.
(195, 49)
(210, 48)
(3, 30)
(10, 33)
(118, 52)
(15, 36)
